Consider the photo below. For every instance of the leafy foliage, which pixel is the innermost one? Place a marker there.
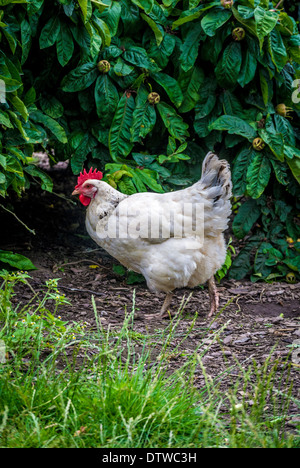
(146, 88)
(16, 260)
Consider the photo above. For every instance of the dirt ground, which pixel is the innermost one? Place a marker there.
(257, 317)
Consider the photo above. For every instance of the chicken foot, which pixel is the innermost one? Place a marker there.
(164, 310)
(213, 296)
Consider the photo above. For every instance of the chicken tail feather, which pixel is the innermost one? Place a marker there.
(217, 186)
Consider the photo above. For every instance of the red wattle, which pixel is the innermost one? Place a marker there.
(84, 200)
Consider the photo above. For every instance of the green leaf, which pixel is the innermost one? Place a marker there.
(12, 40)
(86, 145)
(148, 178)
(207, 99)
(275, 143)
(284, 127)
(239, 172)
(214, 20)
(133, 278)
(121, 68)
(265, 22)
(280, 170)
(3, 161)
(46, 180)
(64, 45)
(258, 175)
(52, 107)
(119, 270)
(138, 56)
(57, 130)
(144, 116)
(30, 97)
(234, 125)
(229, 66)
(188, 15)
(248, 69)
(111, 17)
(266, 85)
(80, 78)
(290, 152)
(202, 125)
(143, 159)
(294, 165)
(119, 135)
(158, 30)
(25, 38)
(247, 23)
(232, 105)
(50, 33)
(241, 265)
(261, 258)
(173, 122)
(190, 47)
(103, 31)
(186, 19)
(125, 185)
(16, 260)
(247, 215)
(162, 53)
(100, 5)
(86, 8)
(293, 48)
(191, 84)
(18, 124)
(106, 98)
(146, 5)
(277, 50)
(20, 107)
(293, 263)
(171, 86)
(5, 120)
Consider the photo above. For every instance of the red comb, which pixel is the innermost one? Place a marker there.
(89, 175)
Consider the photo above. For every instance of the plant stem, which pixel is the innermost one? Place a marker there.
(32, 231)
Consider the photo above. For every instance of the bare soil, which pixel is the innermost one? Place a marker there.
(258, 318)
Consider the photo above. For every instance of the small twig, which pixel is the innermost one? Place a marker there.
(74, 289)
(32, 231)
(261, 294)
(278, 4)
(86, 251)
(30, 287)
(64, 198)
(94, 293)
(84, 260)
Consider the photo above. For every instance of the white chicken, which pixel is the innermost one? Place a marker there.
(165, 237)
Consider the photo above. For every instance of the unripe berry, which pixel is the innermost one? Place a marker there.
(154, 98)
(238, 34)
(103, 66)
(258, 144)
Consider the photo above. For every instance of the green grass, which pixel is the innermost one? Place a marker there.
(65, 386)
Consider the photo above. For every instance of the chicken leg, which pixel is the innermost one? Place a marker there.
(163, 311)
(213, 296)
(166, 304)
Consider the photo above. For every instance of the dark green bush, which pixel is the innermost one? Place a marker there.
(144, 89)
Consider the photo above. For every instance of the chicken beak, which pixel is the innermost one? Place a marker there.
(76, 192)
